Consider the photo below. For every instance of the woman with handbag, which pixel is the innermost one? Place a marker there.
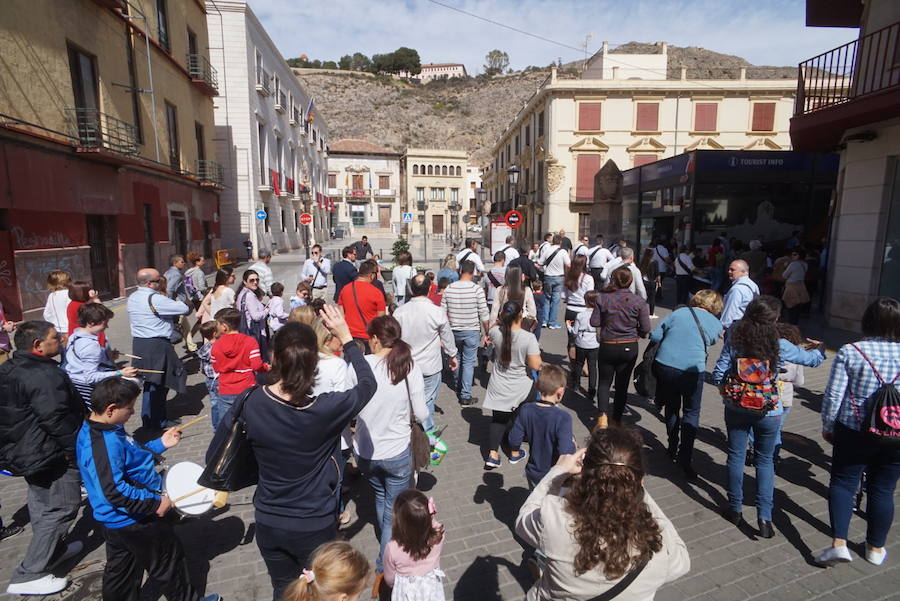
(254, 313)
(517, 352)
(861, 373)
(382, 443)
(684, 338)
(747, 373)
(294, 436)
(600, 533)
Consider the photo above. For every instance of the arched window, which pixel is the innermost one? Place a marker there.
(430, 171)
(444, 170)
(458, 170)
(415, 170)
(422, 169)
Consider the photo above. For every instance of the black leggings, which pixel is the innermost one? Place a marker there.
(582, 356)
(497, 430)
(650, 287)
(615, 362)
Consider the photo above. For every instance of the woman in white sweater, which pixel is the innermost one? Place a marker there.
(58, 282)
(383, 428)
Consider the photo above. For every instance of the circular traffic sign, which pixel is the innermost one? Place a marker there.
(513, 219)
(305, 219)
(261, 215)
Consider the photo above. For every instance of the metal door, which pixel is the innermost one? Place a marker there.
(101, 231)
(384, 217)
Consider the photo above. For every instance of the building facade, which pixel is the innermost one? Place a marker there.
(473, 183)
(438, 71)
(436, 190)
(107, 143)
(270, 136)
(849, 101)
(364, 186)
(570, 128)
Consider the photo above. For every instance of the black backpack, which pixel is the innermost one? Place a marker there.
(882, 421)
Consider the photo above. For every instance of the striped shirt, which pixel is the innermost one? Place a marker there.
(465, 305)
(852, 382)
(621, 316)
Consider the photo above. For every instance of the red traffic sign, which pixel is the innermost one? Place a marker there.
(305, 219)
(513, 219)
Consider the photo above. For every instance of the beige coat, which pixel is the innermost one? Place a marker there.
(545, 524)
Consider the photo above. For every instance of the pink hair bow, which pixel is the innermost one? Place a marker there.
(432, 508)
(308, 574)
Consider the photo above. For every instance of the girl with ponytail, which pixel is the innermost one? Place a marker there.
(336, 572)
(510, 383)
(383, 429)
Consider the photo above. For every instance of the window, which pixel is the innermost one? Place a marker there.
(259, 68)
(283, 221)
(357, 181)
(172, 129)
(527, 137)
(587, 166)
(421, 169)
(162, 24)
(277, 89)
(415, 170)
(420, 194)
(643, 159)
(278, 161)
(454, 194)
(647, 116)
(84, 79)
(263, 176)
(763, 116)
(589, 116)
(149, 242)
(292, 169)
(540, 124)
(516, 144)
(444, 170)
(705, 116)
(332, 180)
(430, 170)
(384, 182)
(201, 145)
(437, 194)
(459, 171)
(192, 42)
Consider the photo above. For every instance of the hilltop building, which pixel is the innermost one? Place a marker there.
(436, 186)
(106, 143)
(623, 109)
(364, 187)
(438, 71)
(270, 135)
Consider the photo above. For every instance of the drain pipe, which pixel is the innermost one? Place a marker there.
(152, 89)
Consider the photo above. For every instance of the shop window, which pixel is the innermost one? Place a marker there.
(647, 116)
(763, 116)
(705, 114)
(589, 116)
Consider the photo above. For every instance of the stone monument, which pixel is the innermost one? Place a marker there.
(606, 212)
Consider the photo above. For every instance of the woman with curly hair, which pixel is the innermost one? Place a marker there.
(756, 336)
(605, 534)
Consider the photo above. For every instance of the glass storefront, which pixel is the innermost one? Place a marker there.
(889, 284)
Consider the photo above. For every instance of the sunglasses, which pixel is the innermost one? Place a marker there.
(156, 281)
(253, 280)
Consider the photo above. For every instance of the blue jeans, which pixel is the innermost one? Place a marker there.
(388, 478)
(467, 342)
(153, 405)
(552, 289)
(680, 393)
(854, 453)
(224, 403)
(432, 383)
(765, 431)
(212, 385)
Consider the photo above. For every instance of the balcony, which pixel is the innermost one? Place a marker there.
(850, 86)
(98, 132)
(580, 196)
(280, 102)
(210, 173)
(263, 82)
(295, 117)
(334, 191)
(203, 74)
(383, 192)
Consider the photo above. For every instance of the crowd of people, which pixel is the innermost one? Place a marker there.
(359, 377)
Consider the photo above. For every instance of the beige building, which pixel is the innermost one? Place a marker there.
(438, 71)
(436, 190)
(849, 100)
(624, 109)
(364, 186)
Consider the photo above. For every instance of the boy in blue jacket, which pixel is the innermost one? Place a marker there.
(125, 493)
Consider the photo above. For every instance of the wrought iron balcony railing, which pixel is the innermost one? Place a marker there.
(203, 73)
(263, 82)
(96, 131)
(210, 172)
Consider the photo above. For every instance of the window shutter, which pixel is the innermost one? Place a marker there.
(705, 116)
(647, 116)
(589, 116)
(643, 159)
(763, 116)
(587, 166)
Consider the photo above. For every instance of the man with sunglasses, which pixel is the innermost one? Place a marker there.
(315, 272)
(153, 316)
(40, 414)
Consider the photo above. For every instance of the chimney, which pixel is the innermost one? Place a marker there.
(605, 47)
(683, 73)
(552, 74)
(665, 48)
(615, 74)
(743, 73)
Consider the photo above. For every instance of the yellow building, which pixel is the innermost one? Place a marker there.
(107, 127)
(435, 190)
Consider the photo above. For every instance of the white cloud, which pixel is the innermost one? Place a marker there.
(766, 32)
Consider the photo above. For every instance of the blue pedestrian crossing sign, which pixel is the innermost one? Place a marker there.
(407, 218)
(261, 215)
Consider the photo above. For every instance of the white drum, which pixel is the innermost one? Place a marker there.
(180, 480)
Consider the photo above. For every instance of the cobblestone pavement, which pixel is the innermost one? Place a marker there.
(483, 558)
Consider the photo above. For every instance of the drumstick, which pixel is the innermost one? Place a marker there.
(220, 499)
(131, 356)
(189, 494)
(151, 371)
(193, 421)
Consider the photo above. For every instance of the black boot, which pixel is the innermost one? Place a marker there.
(766, 530)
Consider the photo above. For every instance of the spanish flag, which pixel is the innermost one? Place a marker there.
(310, 111)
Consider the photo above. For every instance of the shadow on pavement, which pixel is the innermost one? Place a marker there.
(481, 580)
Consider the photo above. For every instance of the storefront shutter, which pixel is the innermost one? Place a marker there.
(587, 166)
(647, 116)
(589, 116)
(763, 116)
(705, 116)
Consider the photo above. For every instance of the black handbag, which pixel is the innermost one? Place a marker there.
(230, 462)
(419, 443)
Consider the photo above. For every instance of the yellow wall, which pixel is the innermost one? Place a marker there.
(36, 84)
(450, 158)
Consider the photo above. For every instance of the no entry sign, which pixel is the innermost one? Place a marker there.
(305, 219)
(513, 219)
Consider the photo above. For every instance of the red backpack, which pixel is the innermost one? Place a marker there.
(751, 386)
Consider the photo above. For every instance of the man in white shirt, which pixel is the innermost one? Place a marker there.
(510, 249)
(626, 258)
(743, 291)
(315, 271)
(662, 257)
(470, 253)
(684, 269)
(554, 261)
(583, 247)
(262, 268)
(598, 256)
(425, 328)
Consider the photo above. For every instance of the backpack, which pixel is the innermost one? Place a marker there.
(751, 386)
(189, 287)
(882, 421)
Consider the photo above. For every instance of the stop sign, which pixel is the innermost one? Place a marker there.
(305, 219)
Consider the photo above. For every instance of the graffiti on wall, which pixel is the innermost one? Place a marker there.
(32, 270)
(50, 239)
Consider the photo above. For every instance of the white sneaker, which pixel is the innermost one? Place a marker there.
(875, 557)
(72, 549)
(47, 585)
(830, 556)
(654, 316)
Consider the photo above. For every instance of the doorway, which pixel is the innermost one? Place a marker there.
(437, 224)
(179, 232)
(104, 257)
(384, 217)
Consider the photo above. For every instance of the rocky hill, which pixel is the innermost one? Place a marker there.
(470, 114)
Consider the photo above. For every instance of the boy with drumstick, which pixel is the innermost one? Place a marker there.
(125, 493)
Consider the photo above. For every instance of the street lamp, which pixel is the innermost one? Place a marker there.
(512, 173)
(484, 208)
(304, 198)
(454, 207)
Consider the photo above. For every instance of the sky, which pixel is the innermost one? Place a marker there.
(765, 32)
